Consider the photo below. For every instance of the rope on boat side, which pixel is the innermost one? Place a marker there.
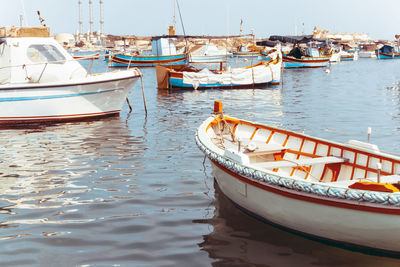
(303, 186)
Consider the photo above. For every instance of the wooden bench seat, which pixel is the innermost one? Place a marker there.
(298, 162)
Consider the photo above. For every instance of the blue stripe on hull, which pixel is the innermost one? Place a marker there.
(182, 62)
(148, 61)
(149, 58)
(395, 56)
(27, 98)
(305, 65)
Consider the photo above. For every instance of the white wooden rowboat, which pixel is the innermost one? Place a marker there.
(346, 193)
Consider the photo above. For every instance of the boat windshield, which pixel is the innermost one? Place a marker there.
(40, 53)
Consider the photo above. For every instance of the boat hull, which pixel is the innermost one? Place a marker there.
(381, 55)
(306, 62)
(258, 76)
(244, 54)
(102, 95)
(177, 83)
(208, 58)
(264, 56)
(340, 207)
(121, 60)
(338, 222)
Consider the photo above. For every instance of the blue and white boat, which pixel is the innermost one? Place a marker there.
(388, 52)
(164, 52)
(259, 75)
(307, 58)
(208, 53)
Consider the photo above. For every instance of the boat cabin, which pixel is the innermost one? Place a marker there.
(37, 59)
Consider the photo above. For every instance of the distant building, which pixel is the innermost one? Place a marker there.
(65, 39)
(348, 37)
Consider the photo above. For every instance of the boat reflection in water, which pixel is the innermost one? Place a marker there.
(48, 172)
(238, 239)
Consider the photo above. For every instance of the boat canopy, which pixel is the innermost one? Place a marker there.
(267, 42)
(389, 49)
(294, 39)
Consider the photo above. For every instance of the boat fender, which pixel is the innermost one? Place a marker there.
(252, 146)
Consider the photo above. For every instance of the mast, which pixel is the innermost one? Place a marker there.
(80, 33)
(90, 21)
(23, 17)
(174, 14)
(101, 22)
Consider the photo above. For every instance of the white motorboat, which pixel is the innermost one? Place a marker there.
(40, 81)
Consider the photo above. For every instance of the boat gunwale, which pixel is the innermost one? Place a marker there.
(64, 84)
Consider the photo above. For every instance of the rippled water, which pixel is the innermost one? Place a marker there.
(133, 190)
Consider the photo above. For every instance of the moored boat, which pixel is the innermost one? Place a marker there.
(163, 52)
(316, 54)
(208, 53)
(246, 51)
(87, 57)
(388, 52)
(264, 55)
(259, 75)
(307, 58)
(347, 193)
(348, 56)
(40, 81)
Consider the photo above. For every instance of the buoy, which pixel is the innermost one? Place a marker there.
(327, 70)
(252, 146)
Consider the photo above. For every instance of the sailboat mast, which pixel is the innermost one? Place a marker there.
(174, 14)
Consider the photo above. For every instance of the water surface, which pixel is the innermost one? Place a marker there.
(135, 190)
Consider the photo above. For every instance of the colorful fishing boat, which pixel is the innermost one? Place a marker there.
(87, 57)
(347, 193)
(307, 58)
(348, 56)
(207, 54)
(239, 54)
(264, 55)
(388, 52)
(163, 53)
(40, 81)
(259, 75)
(315, 55)
(246, 51)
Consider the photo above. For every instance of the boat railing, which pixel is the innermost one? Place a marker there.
(46, 63)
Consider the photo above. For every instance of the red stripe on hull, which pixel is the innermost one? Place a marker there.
(9, 121)
(346, 204)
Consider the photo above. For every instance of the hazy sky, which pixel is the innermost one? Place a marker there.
(379, 19)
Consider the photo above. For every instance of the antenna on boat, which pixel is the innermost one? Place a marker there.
(41, 20)
(369, 134)
(23, 15)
